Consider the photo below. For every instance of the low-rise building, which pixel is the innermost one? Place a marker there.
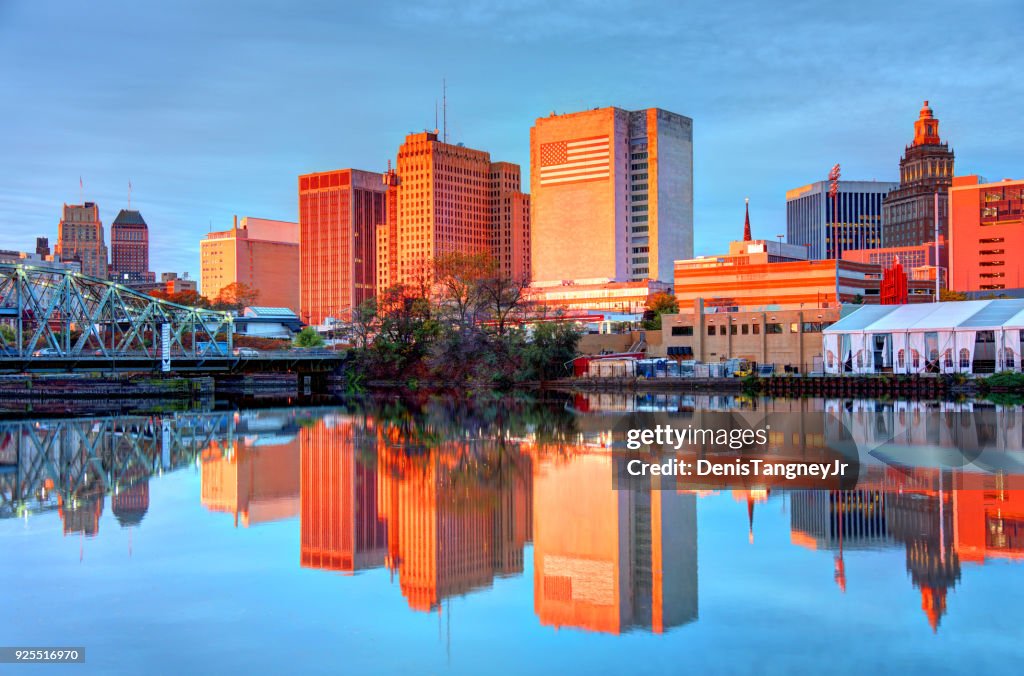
(986, 235)
(791, 339)
(595, 295)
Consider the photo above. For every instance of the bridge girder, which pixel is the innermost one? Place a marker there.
(74, 315)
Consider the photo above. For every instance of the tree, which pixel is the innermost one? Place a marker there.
(8, 337)
(458, 277)
(236, 296)
(552, 346)
(948, 295)
(308, 337)
(189, 298)
(661, 303)
(501, 298)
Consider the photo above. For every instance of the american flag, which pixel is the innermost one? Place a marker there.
(584, 159)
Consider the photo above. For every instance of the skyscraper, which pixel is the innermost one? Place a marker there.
(451, 199)
(855, 218)
(616, 184)
(339, 212)
(129, 248)
(926, 169)
(80, 238)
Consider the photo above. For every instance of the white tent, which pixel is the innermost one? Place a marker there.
(958, 337)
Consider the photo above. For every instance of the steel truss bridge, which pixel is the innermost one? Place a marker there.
(69, 464)
(59, 320)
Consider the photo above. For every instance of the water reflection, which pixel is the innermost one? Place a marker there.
(448, 501)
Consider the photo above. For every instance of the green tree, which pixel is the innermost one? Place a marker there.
(7, 335)
(661, 303)
(458, 278)
(950, 296)
(552, 346)
(308, 337)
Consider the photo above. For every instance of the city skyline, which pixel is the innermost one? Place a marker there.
(208, 124)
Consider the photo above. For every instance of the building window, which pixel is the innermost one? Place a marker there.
(732, 329)
(773, 328)
(794, 327)
(711, 329)
(812, 327)
(915, 359)
(1008, 358)
(965, 358)
(901, 358)
(829, 358)
(860, 359)
(947, 359)
(757, 329)
(682, 330)
(745, 329)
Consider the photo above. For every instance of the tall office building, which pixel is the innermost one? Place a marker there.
(985, 235)
(339, 212)
(80, 238)
(854, 218)
(129, 248)
(259, 253)
(612, 195)
(451, 199)
(926, 169)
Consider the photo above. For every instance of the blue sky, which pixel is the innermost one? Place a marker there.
(213, 108)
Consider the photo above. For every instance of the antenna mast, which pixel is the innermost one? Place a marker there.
(444, 107)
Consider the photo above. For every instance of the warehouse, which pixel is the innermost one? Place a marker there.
(981, 336)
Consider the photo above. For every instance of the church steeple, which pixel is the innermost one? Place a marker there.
(746, 223)
(926, 129)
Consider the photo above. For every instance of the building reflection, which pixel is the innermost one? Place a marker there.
(254, 476)
(607, 560)
(448, 509)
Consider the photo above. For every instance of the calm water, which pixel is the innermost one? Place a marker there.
(389, 539)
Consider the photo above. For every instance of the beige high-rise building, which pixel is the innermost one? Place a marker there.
(612, 195)
(452, 198)
(260, 253)
(80, 238)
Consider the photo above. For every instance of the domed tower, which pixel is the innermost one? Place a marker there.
(926, 168)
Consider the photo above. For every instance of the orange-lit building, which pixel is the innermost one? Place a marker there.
(986, 234)
(926, 170)
(257, 481)
(452, 199)
(260, 253)
(339, 212)
(173, 283)
(80, 238)
(595, 295)
(340, 527)
(751, 277)
(919, 261)
(612, 194)
(611, 560)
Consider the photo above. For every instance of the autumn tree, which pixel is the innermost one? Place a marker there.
(658, 304)
(236, 296)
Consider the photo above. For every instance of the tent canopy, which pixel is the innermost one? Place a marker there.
(968, 315)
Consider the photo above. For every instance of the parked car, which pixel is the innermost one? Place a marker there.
(246, 352)
(47, 352)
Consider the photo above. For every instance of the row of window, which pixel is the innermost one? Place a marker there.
(754, 329)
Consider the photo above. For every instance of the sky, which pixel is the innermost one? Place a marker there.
(214, 108)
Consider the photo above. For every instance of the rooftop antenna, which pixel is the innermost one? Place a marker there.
(81, 189)
(129, 194)
(435, 116)
(444, 107)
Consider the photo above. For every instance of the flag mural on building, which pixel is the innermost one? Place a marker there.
(585, 159)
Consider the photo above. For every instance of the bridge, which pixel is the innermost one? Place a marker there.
(54, 320)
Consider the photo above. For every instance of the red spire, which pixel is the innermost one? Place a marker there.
(933, 603)
(746, 223)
